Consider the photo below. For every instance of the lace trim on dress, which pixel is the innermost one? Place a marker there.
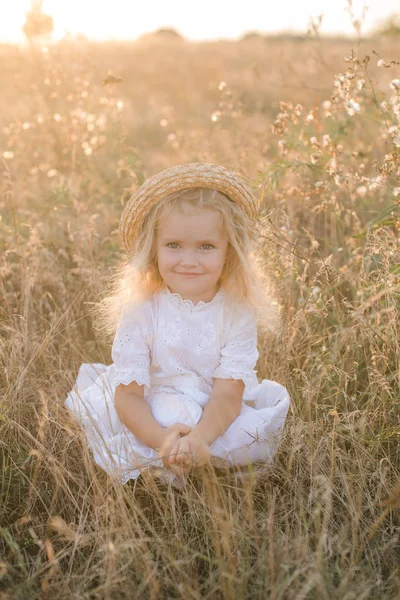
(176, 299)
(249, 378)
(127, 476)
(126, 377)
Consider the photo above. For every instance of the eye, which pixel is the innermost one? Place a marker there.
(172, 244)
(210, 245)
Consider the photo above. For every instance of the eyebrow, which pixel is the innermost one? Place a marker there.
(205, 241)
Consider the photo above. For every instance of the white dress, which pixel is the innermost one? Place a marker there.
(176, 348)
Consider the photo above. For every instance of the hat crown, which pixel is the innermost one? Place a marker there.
(175, 179)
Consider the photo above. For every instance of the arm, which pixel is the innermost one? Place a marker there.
(223, 407)
(135, 413)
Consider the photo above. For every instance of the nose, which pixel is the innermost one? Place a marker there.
(189, 259)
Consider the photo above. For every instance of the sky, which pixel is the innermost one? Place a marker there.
(196, 20)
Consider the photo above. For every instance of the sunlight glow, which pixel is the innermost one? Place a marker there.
(210, 19)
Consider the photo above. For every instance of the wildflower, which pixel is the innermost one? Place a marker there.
(51, 173)
(361, 190)
(222, 86)
(314, 158)
(331, 166)
(375, 182)
(337, 179)
(352, 107)
(326, 140)
(395, 84)
(282, 147)
(396, 192)
(8, 155)
(338, 81)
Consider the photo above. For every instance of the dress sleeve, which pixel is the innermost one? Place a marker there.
(131, 352)
(239, 354)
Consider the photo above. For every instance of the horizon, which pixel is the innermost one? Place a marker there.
(125, 23)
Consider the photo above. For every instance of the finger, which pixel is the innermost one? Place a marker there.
(174, 452)
(181, 458)
(181, 446)
(184, 457)
(170, 440)
(185, 429)
(167, 446)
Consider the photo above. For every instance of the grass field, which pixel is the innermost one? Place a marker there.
(315, 125)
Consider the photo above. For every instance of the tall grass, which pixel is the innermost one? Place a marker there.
(315, 125)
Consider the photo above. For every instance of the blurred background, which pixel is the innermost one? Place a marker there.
(128, 20)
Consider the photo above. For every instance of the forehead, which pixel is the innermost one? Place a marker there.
(201, 223)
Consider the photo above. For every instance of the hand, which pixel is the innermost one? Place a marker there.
(190, 451)
(171, 436)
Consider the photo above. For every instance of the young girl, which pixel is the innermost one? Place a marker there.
(182, 390)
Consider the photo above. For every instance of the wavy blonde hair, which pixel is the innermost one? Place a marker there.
(243, 279)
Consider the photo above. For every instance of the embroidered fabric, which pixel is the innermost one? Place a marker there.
(133, 474)
(131, 348)
(249, 379)
(176, 299)
(169, 341)
(177, 349)
(126, 376)
(240, 354)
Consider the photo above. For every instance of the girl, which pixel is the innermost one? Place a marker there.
(182, 390)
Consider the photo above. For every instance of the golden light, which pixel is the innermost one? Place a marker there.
(210, 19)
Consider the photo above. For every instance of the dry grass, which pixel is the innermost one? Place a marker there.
(324, 521)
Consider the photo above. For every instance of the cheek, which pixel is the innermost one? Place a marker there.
(217, 262)
(165, 259)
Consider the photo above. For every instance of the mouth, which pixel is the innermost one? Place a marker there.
(190, 274)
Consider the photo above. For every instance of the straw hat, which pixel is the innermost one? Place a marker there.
(177, 178)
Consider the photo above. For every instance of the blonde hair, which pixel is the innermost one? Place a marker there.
(243, 278)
